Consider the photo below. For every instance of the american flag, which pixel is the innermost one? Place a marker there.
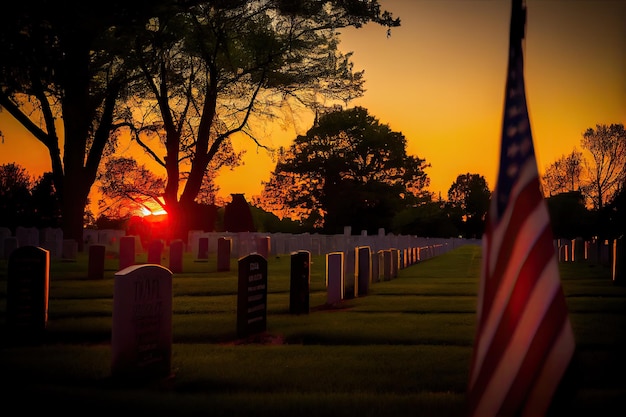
(524, 341)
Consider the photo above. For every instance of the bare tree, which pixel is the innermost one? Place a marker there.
(216, 69)
(606, 170)
(564, 175)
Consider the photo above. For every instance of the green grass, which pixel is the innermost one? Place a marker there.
(404, 349)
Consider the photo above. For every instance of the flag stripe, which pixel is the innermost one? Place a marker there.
(524, 233)
(504, 349)
(524, 341)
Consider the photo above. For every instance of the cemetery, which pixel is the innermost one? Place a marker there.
(271, 325)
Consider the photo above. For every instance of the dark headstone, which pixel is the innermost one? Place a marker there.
(334, 277)
(10, 244)
(28, 279)
(203, 248)
(95, 269)
(155, 251)
(375, 266)
(176, 256)
(364, 270)
(387, 267)
(350, 278)
(619, 262)
(224, 246)
(5, 233)
(263, 246)
(300, 281)
(395, 262)
(252, 295)
(141, 337)
(70, 250)
(127, 251)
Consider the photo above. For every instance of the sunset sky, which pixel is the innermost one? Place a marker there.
(439, 79)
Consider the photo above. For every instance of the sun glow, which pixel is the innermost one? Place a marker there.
(144, 212)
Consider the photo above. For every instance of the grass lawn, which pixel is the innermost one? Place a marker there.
(402, 350)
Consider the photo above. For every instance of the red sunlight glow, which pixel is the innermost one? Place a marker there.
(144, 211)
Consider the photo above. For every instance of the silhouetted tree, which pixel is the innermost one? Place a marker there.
(70, 63)
(62, 69)
(430, 219)
(237, 215)
(129, 188)
(569, 216)
(471, 195)
(607, 168)
(15, 197)
(218, 68)
(347, 170)
(564, 175)
(45, 202)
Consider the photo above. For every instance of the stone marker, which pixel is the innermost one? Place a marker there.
(364, 270)
(334, 277)
(395, 262)
(300, 282)
(350, 274)
(141, 337)
(263, 246)
(70, 250)
(95, 268)
(28, 279)
(251, 295)
(203, 249)
(176, 256)
(224, 246)
(127, 252)
(155, 251)
(5, 233)
(387, 265)
(375, 266)
(10, 244)
(619, 260)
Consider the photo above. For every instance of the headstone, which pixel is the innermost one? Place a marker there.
(300, 282)
(70, 250)
(375, 266)
(95, 268)
(127, 252)
(203, 248)
(27, 236)
(176, 256)
(364, 270)
(578, 250)
(334, 277)
(263, 246)
(141, 337)
(5, 233)
(381, 264)
(155, 251)
(251, 295)
(10, 244)
(619, 262)
(395, 262)
(224, 246)
(51, 239)
(28, 280)
(350, 278)
(387, 265)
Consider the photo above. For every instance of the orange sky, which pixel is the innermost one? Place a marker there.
(439, 79)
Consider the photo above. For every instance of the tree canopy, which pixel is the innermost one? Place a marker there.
(470, 194)
(203, 66)
(348, 170)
